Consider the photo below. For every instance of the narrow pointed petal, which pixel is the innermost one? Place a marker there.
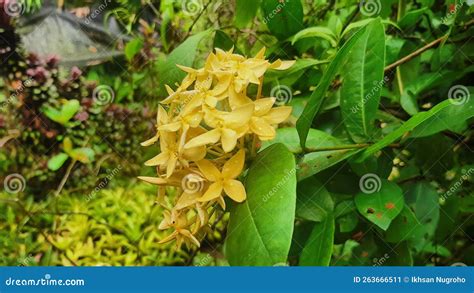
(278, 115)
(235, 190)
(210, 137)
(209, 170)
(213, 192)
(150, 141)
(260, 127)
(234, 166)
(158, 160)
(153, 180)
(282, 65)
(229, 139)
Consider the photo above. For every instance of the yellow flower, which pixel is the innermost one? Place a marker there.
(179, 221)
(161, 118)
(264, 117)
(224, 180)
(172, 153)
(228, 128)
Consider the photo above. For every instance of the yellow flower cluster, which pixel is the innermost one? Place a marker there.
(204, 128)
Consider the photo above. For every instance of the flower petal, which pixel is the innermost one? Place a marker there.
(208, 170)
(263, 106)
(210, 137)
(278, 115)
(153, 180)
(235, 190)
(150, 141)
(260, 127)
(229, 139)
(234, 166)
(160, 159)
(282, 65)
(213, 192)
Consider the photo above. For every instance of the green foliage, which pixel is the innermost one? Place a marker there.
(260, 229)
(375, 162)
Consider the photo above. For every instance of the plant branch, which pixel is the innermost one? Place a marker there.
(415, 53)
(345, 147)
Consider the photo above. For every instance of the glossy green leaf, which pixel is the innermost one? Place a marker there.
(314, 202)
(315, 101)
(406, 127)
(245, 11)
(132, 48)
(57, 161)
(184, 54)
(382, 206)
(318, 249)
(403, 228)
(260, 229)
(363, 79)
(313, 162)
(316, 32)
(283, 18)
(67, 111)
(83, 155)
(447, 118)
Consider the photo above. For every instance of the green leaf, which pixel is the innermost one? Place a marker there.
(260, 229)
(314, 201)
(83, 155)
(381, 207)
(184, 54)
(224, 42)
(426, 206)
(318, 32)
(67, 111)
(132, 48)
(313, 162)
(448, 118)
(57, 161)
(315, 101)
(245, 11)
(318, 249)
(410, 19)
(403, 227)
(283, 19)
(406, 127)
(363, 79)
